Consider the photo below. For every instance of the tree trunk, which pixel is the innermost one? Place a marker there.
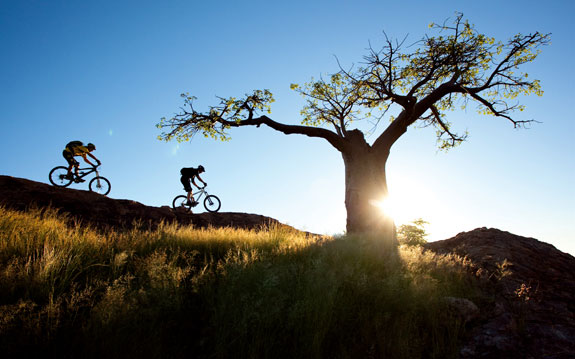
(365, 185)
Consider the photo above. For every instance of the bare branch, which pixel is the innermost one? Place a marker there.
(499, 113)
(331, 137)
(454, 139)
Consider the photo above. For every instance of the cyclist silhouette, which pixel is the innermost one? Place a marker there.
(77, 148)
(189, 174)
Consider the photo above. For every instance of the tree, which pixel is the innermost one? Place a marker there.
(456, 67)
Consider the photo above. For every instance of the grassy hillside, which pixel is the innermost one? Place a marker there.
(71, 291)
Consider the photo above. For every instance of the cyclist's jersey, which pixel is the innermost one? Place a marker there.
(77, 150)
(189, 172)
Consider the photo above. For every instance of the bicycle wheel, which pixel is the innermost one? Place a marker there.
(181, 202)
(58, 177)
(100, 185)
(212, 203)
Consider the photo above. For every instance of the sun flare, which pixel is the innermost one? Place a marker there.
(407, 202)
(387, 206)
(410, 200)
(393, 208)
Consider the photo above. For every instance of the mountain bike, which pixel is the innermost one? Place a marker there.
(211, 203)
(59, 177)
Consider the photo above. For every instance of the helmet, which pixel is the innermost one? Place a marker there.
(201, 168)
(91, 146)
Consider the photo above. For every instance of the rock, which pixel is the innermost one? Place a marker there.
(463, 308)
(529, 288)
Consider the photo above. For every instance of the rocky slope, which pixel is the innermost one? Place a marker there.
(526, 308)
(101, 211)
(529, 295)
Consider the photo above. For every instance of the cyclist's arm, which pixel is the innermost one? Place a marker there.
(200, 178)
(94, 157)
(86, 160)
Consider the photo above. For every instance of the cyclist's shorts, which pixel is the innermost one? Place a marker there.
(186, 182)
(70, 158)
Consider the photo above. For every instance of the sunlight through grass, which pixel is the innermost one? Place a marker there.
(184, 292)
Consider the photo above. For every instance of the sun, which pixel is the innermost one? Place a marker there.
(408, 201)
(390, 207)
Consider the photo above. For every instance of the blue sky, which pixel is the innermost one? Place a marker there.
(107, 71)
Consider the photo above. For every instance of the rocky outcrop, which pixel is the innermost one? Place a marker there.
(101, 211)
(528, 307)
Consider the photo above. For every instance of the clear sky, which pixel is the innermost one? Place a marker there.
(107, 71)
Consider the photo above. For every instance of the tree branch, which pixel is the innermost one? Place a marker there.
(498, 113)
(327, 135)
(454, 139)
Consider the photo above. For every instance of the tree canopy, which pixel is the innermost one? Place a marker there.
(441, 73)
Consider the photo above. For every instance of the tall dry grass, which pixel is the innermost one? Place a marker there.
(72, 291)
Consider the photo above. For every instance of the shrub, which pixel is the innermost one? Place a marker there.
(412, 234)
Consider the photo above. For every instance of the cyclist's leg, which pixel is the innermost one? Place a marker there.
(187, 187)
(78, 178)
(193, 202)
(69, 157)
(76, 165)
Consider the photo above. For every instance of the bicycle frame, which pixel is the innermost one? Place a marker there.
(211, 203)
(199, 194)
(83, 172)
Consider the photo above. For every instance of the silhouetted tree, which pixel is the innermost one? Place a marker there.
(456, 67)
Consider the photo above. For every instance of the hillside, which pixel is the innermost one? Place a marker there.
(102, 211)
(527, 308)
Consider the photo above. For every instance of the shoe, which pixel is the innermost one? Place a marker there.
(79, 180)
(189, 203)
(194, 203)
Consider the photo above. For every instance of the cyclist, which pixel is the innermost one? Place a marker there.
(190, 174)
(77, 148)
